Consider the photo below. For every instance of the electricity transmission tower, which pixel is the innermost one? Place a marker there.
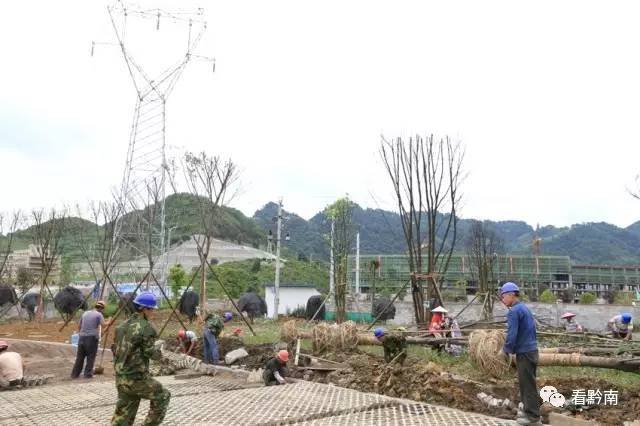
(146, 168)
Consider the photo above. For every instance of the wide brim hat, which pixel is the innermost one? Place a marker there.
(440, 309)
(568, 315)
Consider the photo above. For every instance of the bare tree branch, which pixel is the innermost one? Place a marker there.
(425, 176)
(8, 226)
(210, 179)
(46, 234)
(483, 247)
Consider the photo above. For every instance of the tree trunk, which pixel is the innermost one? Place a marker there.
(203, 290)
(590, 351)
(418, 299)
(579, 360)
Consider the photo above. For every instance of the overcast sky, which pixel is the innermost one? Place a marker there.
(544, 95)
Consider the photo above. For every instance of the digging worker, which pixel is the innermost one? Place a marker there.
(11, 366)
(394, 345)
(213, 326)
(275, 370)
(521, 340)
(621, 326)
(571, 326)
(187, 341)
(89, 331)
(135, 344)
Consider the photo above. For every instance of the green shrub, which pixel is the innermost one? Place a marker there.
(547, 296)
(587, 298)
(110, 309)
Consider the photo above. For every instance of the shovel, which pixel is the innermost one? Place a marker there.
(100, 369)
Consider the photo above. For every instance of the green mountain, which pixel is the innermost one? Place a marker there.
(181, 216)
(380, 233)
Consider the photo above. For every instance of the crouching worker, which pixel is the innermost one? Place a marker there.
(394, 345)
(11, 366)
(275, 370)
(621, 326)
(187, 342)
(135, 344)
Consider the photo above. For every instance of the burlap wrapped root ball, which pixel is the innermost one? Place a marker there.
(335, 337)
(289, 332)
(485, 350)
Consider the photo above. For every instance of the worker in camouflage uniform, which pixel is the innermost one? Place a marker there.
(213, 326)
(135, 343)
(394, 345)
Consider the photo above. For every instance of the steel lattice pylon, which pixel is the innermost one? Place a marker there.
(146, 163)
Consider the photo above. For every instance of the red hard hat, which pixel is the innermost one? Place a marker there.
(3, 344)
(237, 331)
(181, 334)
(283, 355)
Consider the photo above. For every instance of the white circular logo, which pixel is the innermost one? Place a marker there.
(546, 392)
(557, 400)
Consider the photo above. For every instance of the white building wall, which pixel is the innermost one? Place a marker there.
(290, 298)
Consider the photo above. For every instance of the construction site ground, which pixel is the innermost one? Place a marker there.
(427, 378)
(224, 401)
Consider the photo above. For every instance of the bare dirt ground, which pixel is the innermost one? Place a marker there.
(46, 358)
(430, 382)
(417, 379)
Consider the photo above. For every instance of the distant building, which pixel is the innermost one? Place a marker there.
(30, 259)
(186, 254)
(292, 296)
(531, 273)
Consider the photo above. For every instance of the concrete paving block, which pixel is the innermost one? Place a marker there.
(409, 415)
(215, 401)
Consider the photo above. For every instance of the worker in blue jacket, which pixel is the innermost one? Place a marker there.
(521, 341)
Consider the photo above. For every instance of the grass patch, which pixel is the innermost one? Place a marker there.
(267, 331)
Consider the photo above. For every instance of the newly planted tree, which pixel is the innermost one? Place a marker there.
(46, 234)
(426, 175)
(211, 180)
(8, 225)
(483, 246)
(340, 214)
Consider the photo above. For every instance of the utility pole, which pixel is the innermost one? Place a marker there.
(331, 282)
(165, 270)
(276, 301)
(358, 263)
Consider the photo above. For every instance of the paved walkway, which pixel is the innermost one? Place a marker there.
(209, 400)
